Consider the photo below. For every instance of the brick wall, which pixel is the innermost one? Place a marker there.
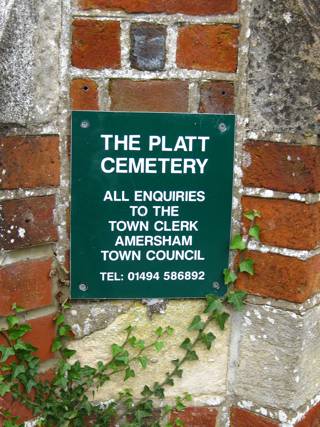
(200, 56)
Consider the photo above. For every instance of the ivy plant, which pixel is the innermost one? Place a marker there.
(62, 400)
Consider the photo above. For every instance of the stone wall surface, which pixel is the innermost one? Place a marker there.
(259, 59)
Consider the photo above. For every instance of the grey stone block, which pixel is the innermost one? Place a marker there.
(147, 46)
(284, 66)
(279, 363)
(29, 61)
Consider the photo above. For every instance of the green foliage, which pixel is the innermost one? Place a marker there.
(64, 400)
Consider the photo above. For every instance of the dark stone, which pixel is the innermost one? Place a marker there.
(148, 47)
(284, 64)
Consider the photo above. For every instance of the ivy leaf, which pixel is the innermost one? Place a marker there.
(197, 324)
(116, 349)
(214, 304)
(4, 389)
(207, 339)
(146, 392)
(6, 353)
(178, 422)
(236, 299)
(17, 309)
(221, 319)
(67, 353)
(56, 345)
(238, 243)
(191, 356)
(251, 215)
(143, 361)
(129, 373)
(255, 232)
(186, 345)
(12, 321)
(246, 266)
(59, 320)
(158, 391)
(158, 345)
(169, 331)
(229, 276)
(19, 332)
(159, 332)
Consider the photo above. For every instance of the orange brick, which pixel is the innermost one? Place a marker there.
(84, 94)
(196, 417)
(154, 95)
(208, 47)
(29, 162)
(95, 44)
(286, 223)
(26, 283)
(311, 419)
(190, 7)
(243, 418)
(282, 167)
(282, 277)
(27, 222)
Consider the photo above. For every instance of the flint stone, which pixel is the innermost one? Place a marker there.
(284, 66)
(29, 64)
(279, 363)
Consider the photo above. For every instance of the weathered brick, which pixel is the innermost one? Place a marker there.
(195, 417)
(311, 419)
(208, 47)
(95, 44)
(41, 336)
(282, 167)
(29, 162)
(16, 408)
(282, 277)
(286, 223)
(190, 7)
(243, 418)
(27, 222)
(26, 283)
(148, 46)
(84, 94)
(154, 95)
(216, 97)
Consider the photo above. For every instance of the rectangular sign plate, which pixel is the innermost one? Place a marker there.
(151, 204)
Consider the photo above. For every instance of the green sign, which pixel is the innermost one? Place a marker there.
(151, 204)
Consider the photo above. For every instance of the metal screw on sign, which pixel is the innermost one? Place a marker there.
(84, 124)
(83, 287)
(216, 285)
(222, 127)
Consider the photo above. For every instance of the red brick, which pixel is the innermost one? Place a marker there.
(243, 418)
(208, 47)
(216, 97)
(41, 336)
(26, 283)
(84, 94)
(190, 7)
(16, 408)
(282, 167)
(29, 162)
(311, 419)
(95, 44)
(196, 417)
(154, 95)
(282, 277)
(286, 223)
(27, 222)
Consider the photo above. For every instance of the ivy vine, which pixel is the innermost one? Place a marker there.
(62, 401)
